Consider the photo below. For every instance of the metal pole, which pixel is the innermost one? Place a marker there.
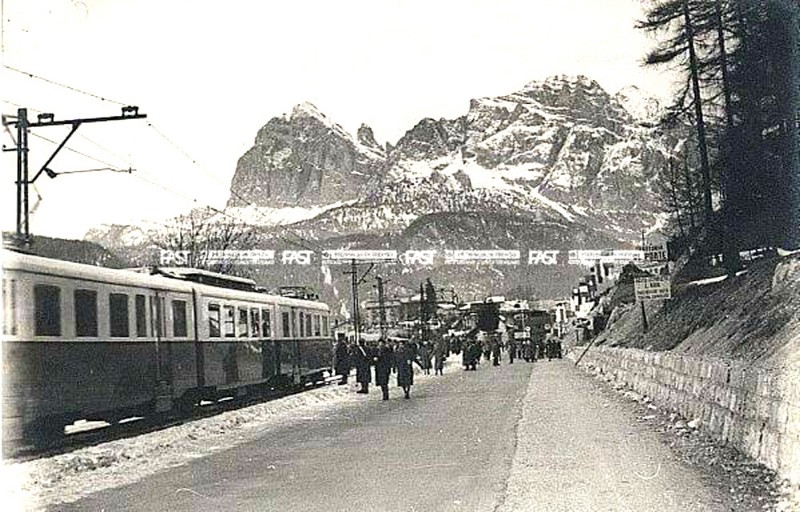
(644, 317)
(382, 307)
(22, 179)
(356, 319)
(26, 206)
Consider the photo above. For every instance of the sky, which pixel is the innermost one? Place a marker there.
(209, 74)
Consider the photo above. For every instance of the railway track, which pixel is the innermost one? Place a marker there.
(86, 435)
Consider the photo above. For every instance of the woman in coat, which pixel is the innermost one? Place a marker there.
(362, 360)
(403, 357)
(384, 362)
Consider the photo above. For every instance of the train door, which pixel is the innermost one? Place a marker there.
(295, 346)
(163, 353)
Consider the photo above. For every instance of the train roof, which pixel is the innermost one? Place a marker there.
(18, 261)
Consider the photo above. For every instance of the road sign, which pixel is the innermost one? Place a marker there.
(655, 252)
(652, 288)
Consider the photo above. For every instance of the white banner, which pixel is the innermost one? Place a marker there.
(338, 256)
(494, 256)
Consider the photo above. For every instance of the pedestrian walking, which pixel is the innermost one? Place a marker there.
(384, 362)
(494, 347)
(471, 354)
(528, 351)
(403, 358)
(362, 360)
(425, 357)
(341, 360)
(512, 348)
(439, 355)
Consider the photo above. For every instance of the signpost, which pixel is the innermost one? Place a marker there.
(652, 288)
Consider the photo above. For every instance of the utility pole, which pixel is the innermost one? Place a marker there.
(353, 272)
(354, 282)
(422, 315)
(382, 307)
(23, 125)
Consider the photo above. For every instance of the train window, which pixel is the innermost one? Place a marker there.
(325, 326)
(309, 327)
(317, 332)
(287, 333)
(141, 316)
(10, 307)
(266, 328)
(47, 310)
(85, 313)
(213, 321)
(179, 329)
(242, 322)
(255, 325)
(230, 320)
(118, 315)
(301, 318)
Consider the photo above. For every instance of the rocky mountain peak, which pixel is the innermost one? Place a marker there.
(309, 110)
(643, 107)
(304, 159)
(367, 138)
(562, 144)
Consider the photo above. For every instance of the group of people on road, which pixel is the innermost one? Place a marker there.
(491, 347)
(398, 356)
(388, 357)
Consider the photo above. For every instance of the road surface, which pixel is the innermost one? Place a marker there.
(540, 436)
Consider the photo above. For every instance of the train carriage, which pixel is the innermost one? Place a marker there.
(83, 342)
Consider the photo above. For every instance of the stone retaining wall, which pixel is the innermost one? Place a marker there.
(756, 410)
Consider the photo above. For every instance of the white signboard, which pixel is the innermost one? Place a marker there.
(655, 252)
(652, 288)
(360, 256)
(492, 256)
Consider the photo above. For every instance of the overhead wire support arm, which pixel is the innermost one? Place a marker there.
(23, 125)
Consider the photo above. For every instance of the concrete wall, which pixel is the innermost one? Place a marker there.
(756, 410)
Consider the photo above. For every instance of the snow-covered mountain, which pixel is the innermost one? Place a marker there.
(560, 148)
(558, 164)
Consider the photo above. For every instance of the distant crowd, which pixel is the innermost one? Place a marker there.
(397, 356)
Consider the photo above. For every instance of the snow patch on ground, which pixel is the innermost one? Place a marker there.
(34, 485)
(560, 208)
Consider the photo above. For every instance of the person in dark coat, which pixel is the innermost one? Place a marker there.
(384, 362)
(425, 357)
(403, 357)
(472, 354)
(341, 360)
(439, 355)
(362, 360)
(512, 347)
(494, 347)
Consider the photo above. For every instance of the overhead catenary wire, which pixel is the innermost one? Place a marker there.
(65, 86)
(192, 200)
(305, 243)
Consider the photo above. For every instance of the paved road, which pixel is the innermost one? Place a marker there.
(449, 447)
(582, 447)
(519, 437)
